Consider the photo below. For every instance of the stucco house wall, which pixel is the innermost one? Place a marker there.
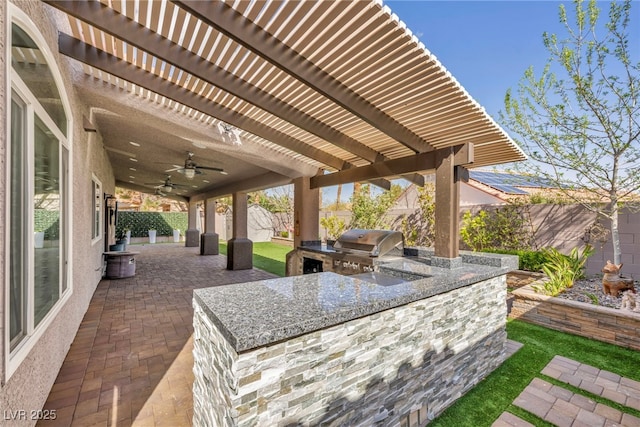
(28, 387)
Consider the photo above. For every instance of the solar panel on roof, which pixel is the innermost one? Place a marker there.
(508, 183)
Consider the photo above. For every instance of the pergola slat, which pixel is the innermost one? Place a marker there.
(234, 25)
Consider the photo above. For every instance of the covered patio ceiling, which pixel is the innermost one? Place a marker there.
(268, 91)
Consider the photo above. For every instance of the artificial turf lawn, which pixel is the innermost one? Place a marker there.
(266, 256)
(484, 403)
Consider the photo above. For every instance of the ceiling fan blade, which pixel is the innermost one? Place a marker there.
(210, 168)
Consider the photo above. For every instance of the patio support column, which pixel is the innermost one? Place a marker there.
(210, 216)
(192, 234)
(306, 213)
(447, 210)
(209, 240)
(239, 248)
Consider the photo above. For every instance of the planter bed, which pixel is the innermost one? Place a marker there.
(619, 327)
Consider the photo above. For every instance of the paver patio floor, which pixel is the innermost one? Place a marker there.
(131, 361)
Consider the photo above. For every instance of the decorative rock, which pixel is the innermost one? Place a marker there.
(628, 301)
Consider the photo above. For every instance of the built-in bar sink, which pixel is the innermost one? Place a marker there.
(386, 279)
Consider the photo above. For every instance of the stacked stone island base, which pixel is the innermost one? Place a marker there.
(336, 350)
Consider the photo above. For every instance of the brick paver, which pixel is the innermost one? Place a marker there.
(509, 420)
(602, 383)
(131, 362)
(561, 407)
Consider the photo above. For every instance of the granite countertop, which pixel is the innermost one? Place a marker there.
(256, 314)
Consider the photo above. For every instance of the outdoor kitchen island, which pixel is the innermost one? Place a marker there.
(394, 346)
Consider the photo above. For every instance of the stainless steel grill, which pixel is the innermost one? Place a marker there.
(355, 252)
(373, 243)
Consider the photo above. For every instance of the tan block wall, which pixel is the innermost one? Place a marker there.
(619, 327)
(29, 386)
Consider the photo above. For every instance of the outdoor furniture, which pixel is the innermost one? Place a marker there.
(120, 264)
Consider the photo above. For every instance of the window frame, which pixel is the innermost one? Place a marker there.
(13, 358)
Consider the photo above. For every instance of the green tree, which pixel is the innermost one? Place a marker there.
(581, 126)
(368, 211)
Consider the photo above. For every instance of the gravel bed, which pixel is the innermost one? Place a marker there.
(585, 291)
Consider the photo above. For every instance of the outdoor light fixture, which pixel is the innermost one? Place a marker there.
(110, 200)
(189, 173)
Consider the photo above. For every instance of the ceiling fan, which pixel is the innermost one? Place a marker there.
(167, 186)
(191, 169)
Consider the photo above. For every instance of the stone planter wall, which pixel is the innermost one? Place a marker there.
(619, 327)
(399, 367)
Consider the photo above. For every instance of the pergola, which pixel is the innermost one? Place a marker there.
(316, 93)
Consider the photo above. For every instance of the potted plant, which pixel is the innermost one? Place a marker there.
(121, 242)
(38, 239)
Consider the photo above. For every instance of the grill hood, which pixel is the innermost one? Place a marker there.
(372, 242)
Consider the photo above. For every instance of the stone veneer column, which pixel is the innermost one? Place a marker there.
(192, 235)
(239, 248)
(209, 240)
(306, 213)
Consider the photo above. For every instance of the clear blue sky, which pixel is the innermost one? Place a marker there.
(487, 45)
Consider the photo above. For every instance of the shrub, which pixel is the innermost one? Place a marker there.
(419, 227)
(335, 226)
(562, 270)
(507, 227)
(474, 230)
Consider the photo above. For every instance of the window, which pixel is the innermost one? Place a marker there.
(38, 200)
(96, 196)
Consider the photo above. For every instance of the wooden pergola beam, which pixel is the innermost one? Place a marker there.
(422, 162)
(267, 180)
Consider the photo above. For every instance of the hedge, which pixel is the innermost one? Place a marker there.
(141, 222)
(47, 221)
